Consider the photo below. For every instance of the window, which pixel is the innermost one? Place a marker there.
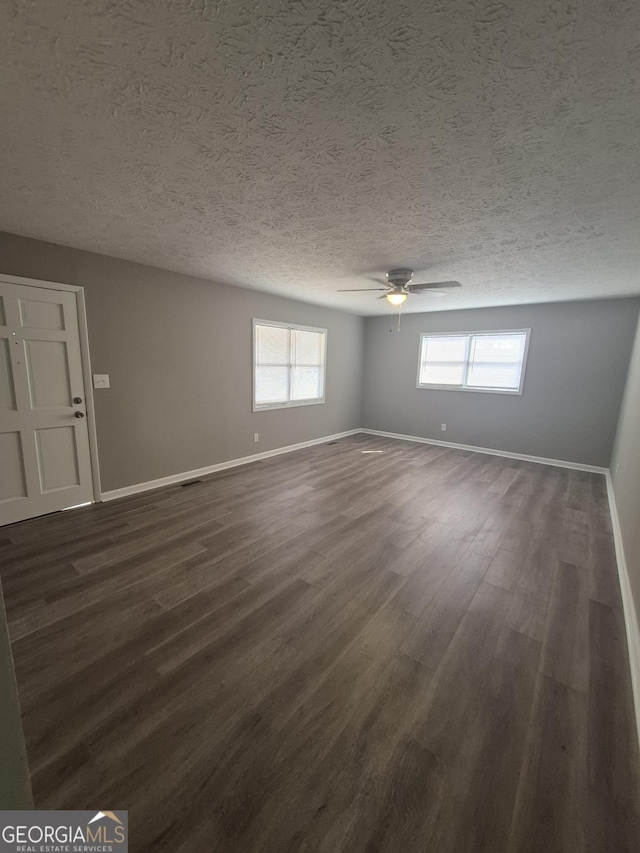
(288, 365)
(474, 361)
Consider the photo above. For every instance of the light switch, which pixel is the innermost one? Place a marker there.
(101, 380)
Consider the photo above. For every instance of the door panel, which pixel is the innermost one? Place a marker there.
(12, 483)
(7, 393)
(35, 314)
(57, 458)
(44, 448)
(48, 373)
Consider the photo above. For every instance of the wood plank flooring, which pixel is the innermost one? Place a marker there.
(407, 649)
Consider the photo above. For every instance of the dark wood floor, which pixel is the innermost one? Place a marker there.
(413, 649)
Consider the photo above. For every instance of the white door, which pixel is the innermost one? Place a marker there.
(44, 440)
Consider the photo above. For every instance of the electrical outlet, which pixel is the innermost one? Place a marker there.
(443, 427)
(256, 436)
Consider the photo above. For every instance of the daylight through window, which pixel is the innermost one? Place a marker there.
(474, 361)
(288, 365)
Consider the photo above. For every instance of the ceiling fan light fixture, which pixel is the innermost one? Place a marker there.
(396, 298)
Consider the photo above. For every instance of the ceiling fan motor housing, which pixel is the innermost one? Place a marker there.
(399, 278)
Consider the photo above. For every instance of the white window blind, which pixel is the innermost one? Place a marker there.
(474, 361)
(288, 366)
(444, 359)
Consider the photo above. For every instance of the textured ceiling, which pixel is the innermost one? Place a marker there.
(302, 146)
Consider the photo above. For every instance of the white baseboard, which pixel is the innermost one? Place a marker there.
(559, 463)
(220, 466)
(630, 614)
(136, 488)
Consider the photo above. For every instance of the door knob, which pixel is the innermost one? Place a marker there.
(78, 414)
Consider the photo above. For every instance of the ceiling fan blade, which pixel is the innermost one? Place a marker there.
(434, 285)
(361, 290)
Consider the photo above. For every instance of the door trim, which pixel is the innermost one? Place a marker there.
(86, 365)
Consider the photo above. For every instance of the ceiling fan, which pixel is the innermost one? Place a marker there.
(398, 286)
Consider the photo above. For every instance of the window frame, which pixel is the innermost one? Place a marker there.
(469, 335)
(290, 404)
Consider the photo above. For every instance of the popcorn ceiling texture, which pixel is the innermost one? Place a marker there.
(302, 146)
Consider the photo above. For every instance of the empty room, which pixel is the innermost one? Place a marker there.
(320, 426)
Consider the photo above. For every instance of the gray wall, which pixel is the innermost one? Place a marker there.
(625, 472)
(178, 351)
(578, 357)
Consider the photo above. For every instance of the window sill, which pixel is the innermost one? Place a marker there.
(513, 393)
(266, 407)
